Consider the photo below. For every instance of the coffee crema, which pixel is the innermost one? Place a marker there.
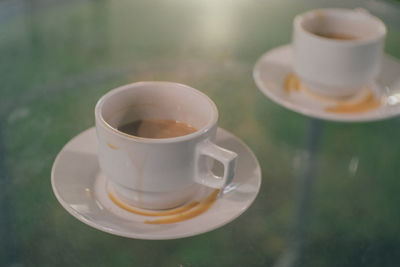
(157, 128)
(336, 36)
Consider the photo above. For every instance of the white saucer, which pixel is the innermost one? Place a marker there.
(274, 66)
(81, 189)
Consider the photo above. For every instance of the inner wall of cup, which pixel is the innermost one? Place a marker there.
(349, 22)
(158, 101)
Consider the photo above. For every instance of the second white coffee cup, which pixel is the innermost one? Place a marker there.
(160, 173)
(337, 51)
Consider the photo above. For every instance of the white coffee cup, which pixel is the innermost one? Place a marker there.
(333, 66)
(159, 173)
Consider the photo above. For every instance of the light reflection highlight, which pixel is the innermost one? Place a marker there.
(353, 165)
(393, 99)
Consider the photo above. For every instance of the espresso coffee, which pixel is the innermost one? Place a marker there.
(157, 128)
(337, 36)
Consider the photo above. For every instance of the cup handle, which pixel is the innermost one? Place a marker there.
(228, 159)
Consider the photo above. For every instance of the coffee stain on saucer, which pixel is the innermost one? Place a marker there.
(292, 83)
(368, 103)
(175, 215)
(202, 207)
(336, 105)
(143, 212)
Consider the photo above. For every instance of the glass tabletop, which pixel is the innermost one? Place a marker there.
(330, 190)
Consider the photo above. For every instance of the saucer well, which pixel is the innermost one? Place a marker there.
(82, 190)
(378, 100)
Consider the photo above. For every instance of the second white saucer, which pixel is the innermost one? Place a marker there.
(272, 69)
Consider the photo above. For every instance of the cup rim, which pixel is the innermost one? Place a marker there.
(382, 31)
(99, 117)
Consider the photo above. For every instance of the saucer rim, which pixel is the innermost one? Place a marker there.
(165, 236)
(383, 113)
